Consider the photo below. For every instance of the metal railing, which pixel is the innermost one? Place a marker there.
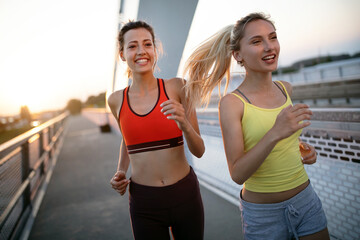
(335, 134)
(24, 162)
(327, 72)
(335, 84)
(329, 91)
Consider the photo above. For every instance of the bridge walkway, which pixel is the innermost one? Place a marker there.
(80, 204)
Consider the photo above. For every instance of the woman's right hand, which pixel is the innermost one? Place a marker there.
(291, 119)
(119, 182)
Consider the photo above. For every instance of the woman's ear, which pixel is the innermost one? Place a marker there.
(121, 55)
(237, 56)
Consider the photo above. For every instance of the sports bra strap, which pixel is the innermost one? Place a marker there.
(243, 95)
(281, 89)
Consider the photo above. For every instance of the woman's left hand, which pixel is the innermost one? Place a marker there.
(308, 153)
(175, 111)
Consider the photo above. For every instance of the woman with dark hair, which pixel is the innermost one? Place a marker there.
(164, 190)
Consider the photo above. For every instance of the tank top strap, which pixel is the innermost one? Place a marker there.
(124, 100)
(126, 97)
(163, 93)
(239, 97)
(282, 88)
(161, 86)
(160, 83)
(242, 94)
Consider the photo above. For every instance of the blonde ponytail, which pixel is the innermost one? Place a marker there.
(215, 55)
(207, 66)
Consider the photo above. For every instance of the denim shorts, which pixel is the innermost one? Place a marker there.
(298, 216)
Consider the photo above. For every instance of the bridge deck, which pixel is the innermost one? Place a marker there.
(80, 204)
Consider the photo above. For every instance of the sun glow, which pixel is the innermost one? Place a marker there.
(30, 94)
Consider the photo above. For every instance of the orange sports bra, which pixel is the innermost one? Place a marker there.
(151, 131)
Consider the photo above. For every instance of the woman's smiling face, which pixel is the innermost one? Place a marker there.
(139, 51)
(259, 48)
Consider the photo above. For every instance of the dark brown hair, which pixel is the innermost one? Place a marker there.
(130, 26)
(136, 25)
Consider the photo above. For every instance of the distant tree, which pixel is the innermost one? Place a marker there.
(2, 127)
(74, 106)
(328, 59)
(96, 101)
(356, 55)
(91, 100)
(25, 113)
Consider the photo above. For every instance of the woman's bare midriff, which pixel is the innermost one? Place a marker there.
(159, 168)
(263, 198)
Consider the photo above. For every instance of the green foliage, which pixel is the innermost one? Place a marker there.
(74, 106)
(96, 101)
(9, 134)
(25, 113)
(356, 55)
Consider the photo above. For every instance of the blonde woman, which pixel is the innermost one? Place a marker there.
(260, 128)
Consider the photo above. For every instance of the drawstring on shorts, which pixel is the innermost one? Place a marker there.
(291, 211)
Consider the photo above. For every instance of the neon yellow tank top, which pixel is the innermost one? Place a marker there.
(282, 170)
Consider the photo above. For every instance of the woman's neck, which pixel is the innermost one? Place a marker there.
(143, 82)
(257, 80)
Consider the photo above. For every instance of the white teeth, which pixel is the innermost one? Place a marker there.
(269, 57)
(141, 60)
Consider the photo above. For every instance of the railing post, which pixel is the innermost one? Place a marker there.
(20, 147)
(41, 151)
(322, 75)
(340, 72)
(50, 135)
(25, 151)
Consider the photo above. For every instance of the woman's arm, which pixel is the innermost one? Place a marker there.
(288, 87)
(186, 120)
(242, 165)
(124, 160)
(192, 135)
(119, 181)
(114, 102)
(308, 152)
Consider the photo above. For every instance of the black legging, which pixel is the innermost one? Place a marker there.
(179, 206)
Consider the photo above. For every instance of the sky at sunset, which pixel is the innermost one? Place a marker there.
(52, 51)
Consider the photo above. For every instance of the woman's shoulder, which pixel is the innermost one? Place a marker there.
(115, 97)
(175, 82)
(231, 102)
(231, 110)
(115, 100)
(175, 85)
(287, 85)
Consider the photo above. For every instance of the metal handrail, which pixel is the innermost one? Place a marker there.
(25, 136)
(20, 145)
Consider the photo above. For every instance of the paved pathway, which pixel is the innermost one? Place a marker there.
(80, 204)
